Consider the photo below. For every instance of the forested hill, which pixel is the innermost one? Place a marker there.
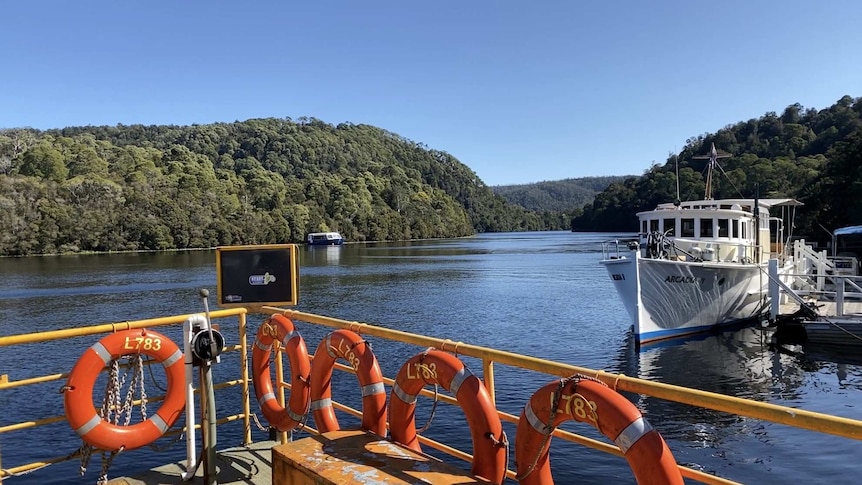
(110, 188)
(812, 155)
(557, 195)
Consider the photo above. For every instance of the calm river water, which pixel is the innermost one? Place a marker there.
(541, 294)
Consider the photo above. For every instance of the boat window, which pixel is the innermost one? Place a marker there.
(734, 224)
(706, 228)
(687, 229)
(723, 228)
(653, 225)
(643, 227)
(670, 227)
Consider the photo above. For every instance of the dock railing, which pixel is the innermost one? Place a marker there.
(490, 358)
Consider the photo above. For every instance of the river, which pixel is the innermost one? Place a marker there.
(541, 294)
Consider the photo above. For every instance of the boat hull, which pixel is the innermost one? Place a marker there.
(327, 242)
(667, 299)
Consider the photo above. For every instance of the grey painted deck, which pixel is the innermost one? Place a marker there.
(250, 465)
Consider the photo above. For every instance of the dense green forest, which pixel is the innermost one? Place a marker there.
(113, 188)
(812, 155)
(557, 195)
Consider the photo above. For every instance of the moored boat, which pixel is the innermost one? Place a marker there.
(700, 264)
(324, 239)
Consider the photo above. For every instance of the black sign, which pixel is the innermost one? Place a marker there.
(257, 275)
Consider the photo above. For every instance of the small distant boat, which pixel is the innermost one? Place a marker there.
(324, 239)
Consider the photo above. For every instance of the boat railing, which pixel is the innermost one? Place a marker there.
(618, 248)
(62, 334)
(720, 251)
(837, 288)
(490, 358)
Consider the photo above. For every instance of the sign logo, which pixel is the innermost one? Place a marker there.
(261, 279)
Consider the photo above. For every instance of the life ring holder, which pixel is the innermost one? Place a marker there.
(351, 347)
(587, 400)
(281, 328)
(436, 367)
(78, 391)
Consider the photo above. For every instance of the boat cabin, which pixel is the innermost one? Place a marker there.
(714, 230)
(324, 239)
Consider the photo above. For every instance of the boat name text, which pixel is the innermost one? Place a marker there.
(683, 279)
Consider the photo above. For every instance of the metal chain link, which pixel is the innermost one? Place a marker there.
(140, 378)
(114, 409)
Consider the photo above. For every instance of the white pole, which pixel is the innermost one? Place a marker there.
(191, 453)
(774, 291)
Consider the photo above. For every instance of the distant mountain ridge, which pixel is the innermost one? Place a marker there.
(557, 195)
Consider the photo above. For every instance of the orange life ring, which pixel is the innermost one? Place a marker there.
(441, 368)
(356, 351)
(590, 401)
(78, 393)
(281, 328)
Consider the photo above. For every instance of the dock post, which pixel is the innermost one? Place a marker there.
(774, 291)
(839, 295)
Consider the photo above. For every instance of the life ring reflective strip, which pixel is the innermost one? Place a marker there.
(612, 414)
(78, 392)
(356, 351)
(446, 370)
(281, 328)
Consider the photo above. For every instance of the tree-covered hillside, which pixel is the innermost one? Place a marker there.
(108, 188)
(812, 155)
(558, 195)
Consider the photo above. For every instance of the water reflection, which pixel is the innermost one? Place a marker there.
(740, 363)
(541, 294)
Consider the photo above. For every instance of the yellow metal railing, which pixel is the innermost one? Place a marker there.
(33, 338)
(490, 358)
(799, 418)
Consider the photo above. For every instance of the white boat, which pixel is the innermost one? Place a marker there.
(700, 264)
(324, 239)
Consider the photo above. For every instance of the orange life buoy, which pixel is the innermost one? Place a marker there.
(356, 351)
(281, 328)
(446, 370)
(78, 393)
(590, 401)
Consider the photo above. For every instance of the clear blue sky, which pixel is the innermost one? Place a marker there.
(518, 91)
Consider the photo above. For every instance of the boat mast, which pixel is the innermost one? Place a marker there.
(710, 167)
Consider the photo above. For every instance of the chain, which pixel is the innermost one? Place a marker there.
(113, 407)
(86, 452)
(140, 378)
(107, 459)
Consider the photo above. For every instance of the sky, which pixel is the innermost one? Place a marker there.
(518, 91)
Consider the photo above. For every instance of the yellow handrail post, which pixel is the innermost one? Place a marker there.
(279, 378)
(488, 373)
(243, 357)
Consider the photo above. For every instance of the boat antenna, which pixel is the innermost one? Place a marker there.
(678, 200)
(713, 157)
